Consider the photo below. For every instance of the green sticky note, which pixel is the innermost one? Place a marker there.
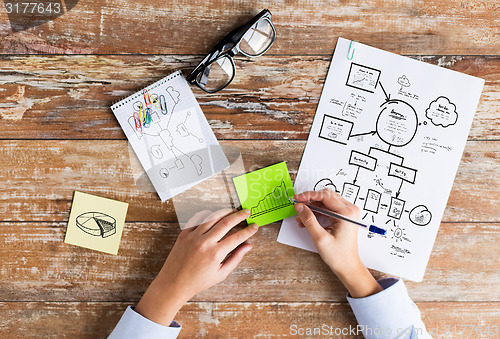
(265, 193)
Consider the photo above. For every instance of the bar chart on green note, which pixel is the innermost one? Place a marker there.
(265, 193)
(273, 201)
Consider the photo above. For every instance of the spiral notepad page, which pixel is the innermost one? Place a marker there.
(170, 135)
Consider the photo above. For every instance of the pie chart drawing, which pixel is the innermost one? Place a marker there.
(96, 224)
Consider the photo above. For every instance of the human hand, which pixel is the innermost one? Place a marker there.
(337, 243)
(200, 258)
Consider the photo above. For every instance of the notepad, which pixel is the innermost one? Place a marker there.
(170, 135)
(388, 135)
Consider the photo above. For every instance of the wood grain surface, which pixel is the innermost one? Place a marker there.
(58, 135)
(40, 177)
(272, 97)
(437, 27)
(289, 275)
(230, 320)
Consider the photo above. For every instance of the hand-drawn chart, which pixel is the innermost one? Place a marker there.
(96, 224)
(170, 135)
(388, 137)
(147, 121)
(273, 201)
(266, 192)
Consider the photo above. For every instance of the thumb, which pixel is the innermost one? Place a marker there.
(309, 220)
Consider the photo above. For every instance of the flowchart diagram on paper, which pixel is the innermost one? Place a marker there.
(388, 136)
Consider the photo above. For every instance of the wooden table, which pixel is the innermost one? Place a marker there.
(58, 135)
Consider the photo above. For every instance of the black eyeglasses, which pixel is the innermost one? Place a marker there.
(217, 69)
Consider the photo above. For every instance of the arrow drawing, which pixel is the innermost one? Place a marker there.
(387, 97)
(360, 134)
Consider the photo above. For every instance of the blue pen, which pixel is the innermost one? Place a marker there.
(371, 228)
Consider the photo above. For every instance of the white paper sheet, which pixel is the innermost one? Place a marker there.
(173, 140)
(388, 134)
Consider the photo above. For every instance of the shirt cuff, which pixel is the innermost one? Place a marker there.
(386, 311)
(134, 325)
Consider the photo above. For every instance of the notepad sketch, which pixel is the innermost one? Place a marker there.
(388, 135)
(96, 224)
(273, 201)
(170, 135)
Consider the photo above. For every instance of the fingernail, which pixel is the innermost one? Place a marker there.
(248, 249)
(247, 211)
(299, 207)
(254, 226)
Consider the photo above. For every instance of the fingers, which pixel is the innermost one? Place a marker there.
(212, 219)
(329, 198)
(224, 225)
(310, 222)
(234, 259)
(197, 219)
(236, 239)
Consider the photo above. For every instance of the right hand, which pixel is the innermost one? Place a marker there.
(337, 244)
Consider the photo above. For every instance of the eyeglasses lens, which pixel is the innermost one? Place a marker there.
(216, 75)
(258, 38)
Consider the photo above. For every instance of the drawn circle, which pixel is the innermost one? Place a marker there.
(325, 183)
(164, 173)
(397, 123)
(420, 215)
(425, 122)
(156, 151)
(138, 105)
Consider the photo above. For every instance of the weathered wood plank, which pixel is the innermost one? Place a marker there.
(40, 177)
(37, 265)
(187, 27)
(68, 97)
(230, 320)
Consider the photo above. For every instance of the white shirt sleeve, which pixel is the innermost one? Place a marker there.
(133, 325)
(389, 314)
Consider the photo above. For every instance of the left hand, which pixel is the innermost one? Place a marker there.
(201, 257)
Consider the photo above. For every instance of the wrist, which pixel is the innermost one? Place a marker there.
(349, 271)
(348, 267)
(160, 303)
(170, 290)
(358, 281)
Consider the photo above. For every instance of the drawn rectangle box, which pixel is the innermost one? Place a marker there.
(350, 192)
(372, 201)
(402, 172)
(396, 208)
(335, 129)
(362, 160)
(363, 77)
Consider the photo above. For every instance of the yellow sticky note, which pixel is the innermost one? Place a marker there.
(96, 223)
